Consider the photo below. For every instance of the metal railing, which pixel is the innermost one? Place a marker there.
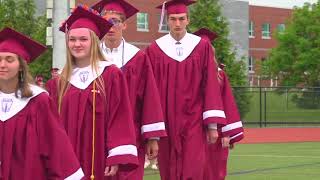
(279, 106)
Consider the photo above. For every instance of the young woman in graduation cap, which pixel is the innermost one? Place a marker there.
(33, 145)
(143, 93)
(93, 99)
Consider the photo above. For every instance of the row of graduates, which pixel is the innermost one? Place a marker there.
(113, 103)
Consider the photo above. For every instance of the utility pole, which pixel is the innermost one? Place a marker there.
(61, 10)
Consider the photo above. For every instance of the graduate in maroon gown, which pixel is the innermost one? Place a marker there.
(39, 81)
(33, 146)
(185, 74)
(51, 84)
(93, 99)
(54, 72)
(143, 92)
(230, 133)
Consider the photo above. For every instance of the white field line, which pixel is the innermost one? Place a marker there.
(277, 156)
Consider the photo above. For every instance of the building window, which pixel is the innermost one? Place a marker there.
(281, 28)
(142, 22)
(164, 28)
(266, 31)
(251, 29)
(250, 64)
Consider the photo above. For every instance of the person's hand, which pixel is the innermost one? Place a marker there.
(152, 148)
(225, 141)
(231, 146)
(111, 170)
(212, 136)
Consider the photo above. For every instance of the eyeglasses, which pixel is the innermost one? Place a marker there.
(114, 21)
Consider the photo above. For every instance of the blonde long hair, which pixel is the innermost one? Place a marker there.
(95, 56)
(217, 64)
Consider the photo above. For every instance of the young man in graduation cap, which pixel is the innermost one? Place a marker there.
(135, 65)
(230, 133)
(33, 145)
(185, 74)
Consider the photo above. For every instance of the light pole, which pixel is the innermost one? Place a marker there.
(61, 10)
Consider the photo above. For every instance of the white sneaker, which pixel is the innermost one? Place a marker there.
(146, 164)
(154, 166)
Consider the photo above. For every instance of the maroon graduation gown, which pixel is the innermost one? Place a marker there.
(144, 98)
(114, 132)
(189, 93)
(51, 86)
(145, 103)
(33, 145)
(218, 156)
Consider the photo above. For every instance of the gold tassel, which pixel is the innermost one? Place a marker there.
(93, 128)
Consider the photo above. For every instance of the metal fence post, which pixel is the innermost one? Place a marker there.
(265, 107)
(260, 115)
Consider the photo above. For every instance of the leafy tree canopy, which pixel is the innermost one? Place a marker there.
(20, 15)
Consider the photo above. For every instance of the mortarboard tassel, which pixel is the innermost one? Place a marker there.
(93, 128)
(162, 15)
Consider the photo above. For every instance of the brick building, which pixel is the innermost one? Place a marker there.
(265, 18)
(263, 23)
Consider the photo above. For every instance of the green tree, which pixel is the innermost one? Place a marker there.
(8, 13)
(296, 59)
(207, 13)
(20, 15)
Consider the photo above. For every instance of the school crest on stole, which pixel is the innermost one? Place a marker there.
(6, 104)
(84, 76)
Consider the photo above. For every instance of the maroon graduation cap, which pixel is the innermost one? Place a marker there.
(206, 34)
(119, 6)
(176, 6)
(39, 78)
(54, 69)
(222, 66)
(85, 17)
(17, 43)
